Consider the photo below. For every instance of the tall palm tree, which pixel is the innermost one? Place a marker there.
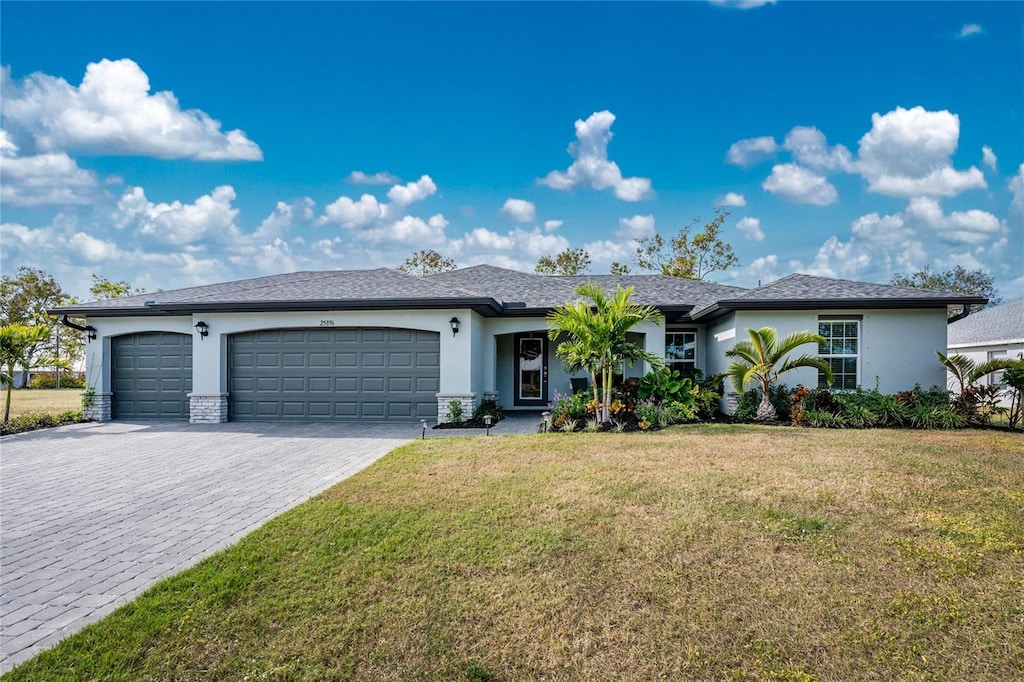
(758, 357)
(596, 337)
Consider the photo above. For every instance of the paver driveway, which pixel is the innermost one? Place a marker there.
(93, 514)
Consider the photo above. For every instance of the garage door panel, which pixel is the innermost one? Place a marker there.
(151, 375)
(335, 374)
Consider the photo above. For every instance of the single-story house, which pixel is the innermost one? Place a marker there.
(368, 345)
(990, 334)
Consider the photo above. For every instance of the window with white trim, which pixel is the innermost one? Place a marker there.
(996, 378)
(841, 351)
(681, 351)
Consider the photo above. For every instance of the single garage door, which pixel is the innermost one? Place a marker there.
(152, 375)
(364, 374)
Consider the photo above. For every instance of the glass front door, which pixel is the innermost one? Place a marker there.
(531, 369)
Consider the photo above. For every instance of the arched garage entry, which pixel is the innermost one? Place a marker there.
(349, 374)
(151, 375)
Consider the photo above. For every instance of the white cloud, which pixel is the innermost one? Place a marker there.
(750, 228)
(520, 210)
(279, 223)
(794, 183)
(353, 214)
(602, 252)
(536, 243)
(989, 158)
(210, 218)
(970, 30)
(483, 238)
(763, 269)
(591, 167)
(113, 112)
(810, 148)
(552, 225)
(731, 199)
(752, 150)
(1017, 189)
(42, 179)
(94, 250)
(410, 230)
(636, 227)
(907, 153)
(964, 227)
(378, 178)
(403, 195)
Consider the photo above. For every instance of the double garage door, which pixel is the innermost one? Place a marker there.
(365, 374)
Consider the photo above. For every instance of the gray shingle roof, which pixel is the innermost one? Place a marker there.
(997, 324)
(486, 286)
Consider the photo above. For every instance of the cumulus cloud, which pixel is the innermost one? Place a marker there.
(731, 199)
(810, 148)
(907, 153)
(968, 30)
(552, 225)
(520, 210)
(750, 228)
(752, 150)
(351, 213)
(279, 223)
(404, 195)
(536, 243)
(989, 158)
(591, 167)
(636, 227)
(482, 238)
(43, 179)
(799, 185)
(966, 227)
(210, 218)
(378, 178)
(113, 112)
(742, 4)
(763, 269)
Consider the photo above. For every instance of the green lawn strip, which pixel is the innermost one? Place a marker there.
(710, 552)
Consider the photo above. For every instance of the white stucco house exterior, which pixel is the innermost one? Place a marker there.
(369, 345)
(990, 334)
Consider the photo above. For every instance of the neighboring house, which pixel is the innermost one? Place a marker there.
(989, 334)
(383, 345)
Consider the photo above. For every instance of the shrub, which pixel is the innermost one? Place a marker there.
(455, 411)
(939, 417)
(820, 419)
(746, 408)
(49, 380)
(665, 384)
(40, 420)
(489, 406)
(577, 406)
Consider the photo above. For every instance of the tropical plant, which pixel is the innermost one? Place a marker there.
(973, 401)
(666, 383)
(596, 337)
(489, 407)
(17, 343)
(1014, 380)
(757, 360)
(966, 372)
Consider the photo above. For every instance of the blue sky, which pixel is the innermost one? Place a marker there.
(175, 144)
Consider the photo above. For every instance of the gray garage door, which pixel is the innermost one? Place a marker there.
(334, 375)
(152, 375)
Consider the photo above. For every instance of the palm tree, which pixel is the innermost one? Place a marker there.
(596, 337)
(16, 342)
(758, 357)
(967, 372)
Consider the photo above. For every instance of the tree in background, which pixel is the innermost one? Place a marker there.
(426, 262)
(959, 280)
(103, 289)
(619, 269)
(568, 262)
(757, 360)
(24, 300)
(596, 337)
(693, 257)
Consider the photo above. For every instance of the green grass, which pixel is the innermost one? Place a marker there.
(734, 553)
(45, 400)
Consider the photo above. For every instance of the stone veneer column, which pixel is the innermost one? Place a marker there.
(468, 401)
(208, 408)
(100, 410)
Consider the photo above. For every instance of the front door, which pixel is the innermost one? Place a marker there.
(531, 381)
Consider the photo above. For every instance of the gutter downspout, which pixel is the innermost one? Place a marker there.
(960, 315)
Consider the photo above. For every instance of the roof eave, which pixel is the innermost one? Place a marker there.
(723, 307)
(487, 307)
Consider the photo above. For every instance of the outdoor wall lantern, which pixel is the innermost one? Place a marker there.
(90, 332)
(454, 322)
(203, 329)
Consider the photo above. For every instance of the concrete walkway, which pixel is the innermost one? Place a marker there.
(91, 515)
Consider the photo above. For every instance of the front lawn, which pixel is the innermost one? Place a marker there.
(702, 552)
